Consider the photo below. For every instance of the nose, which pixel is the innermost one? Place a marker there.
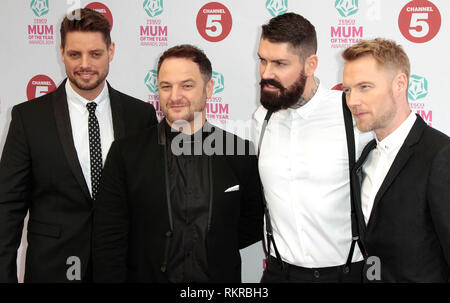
(352, 99)
(85, 62)
(266, 71)
(175, 93)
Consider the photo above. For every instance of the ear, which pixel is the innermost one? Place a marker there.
(311, 65)
(111, 50)
(400, 85)
(209, 88)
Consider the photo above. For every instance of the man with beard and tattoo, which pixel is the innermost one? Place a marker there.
(53, 156)
(303, 161)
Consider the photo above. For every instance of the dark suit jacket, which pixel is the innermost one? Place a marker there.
(131, 213)
(409, 227)
(40, 172)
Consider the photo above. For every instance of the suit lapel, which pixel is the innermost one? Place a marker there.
(405, 152)
(117, 113)
(64, 128)
(358, 177)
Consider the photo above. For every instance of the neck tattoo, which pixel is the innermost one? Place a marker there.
(303, 100)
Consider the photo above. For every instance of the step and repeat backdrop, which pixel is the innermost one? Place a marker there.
(228, 31)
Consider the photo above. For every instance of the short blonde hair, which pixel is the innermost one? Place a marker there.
(386, 52)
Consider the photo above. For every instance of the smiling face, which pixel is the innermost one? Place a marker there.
(282, 75)
(86, 58)
(373, 95)
(183, 90)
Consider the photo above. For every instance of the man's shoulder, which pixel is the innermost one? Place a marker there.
(129, 101)
(235, 145)
(35, 104)
(145, 135)
(433, 138)
(144, 139)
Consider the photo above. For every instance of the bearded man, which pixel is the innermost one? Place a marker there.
(304, 161)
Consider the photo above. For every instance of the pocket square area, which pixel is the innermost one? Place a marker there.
(232, 188)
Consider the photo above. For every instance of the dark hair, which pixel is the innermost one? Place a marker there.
(190, 52)
(294, 29)
(89, 21)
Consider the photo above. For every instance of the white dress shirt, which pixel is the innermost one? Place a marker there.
(304, 170)
(379, 161)
(79, 120)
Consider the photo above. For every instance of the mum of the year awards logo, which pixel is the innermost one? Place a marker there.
(419, 21)
(277, 7)
(153, 32)
(346, 31)
(214, 22)
(417, 91)
(217, 110)
(102, 9)
(40, 31)
(39, 85)
(151, 82)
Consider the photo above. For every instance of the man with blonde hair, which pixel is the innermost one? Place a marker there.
(402, 180)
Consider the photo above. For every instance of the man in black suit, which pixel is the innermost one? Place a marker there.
(402, 180)
(182, 212)
(53, 155)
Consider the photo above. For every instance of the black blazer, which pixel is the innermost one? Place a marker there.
(409, 226)
(40, 172)
(131, 213)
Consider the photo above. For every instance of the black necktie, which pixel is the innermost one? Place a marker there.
(95, 148)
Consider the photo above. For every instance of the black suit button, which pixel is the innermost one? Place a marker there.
(163, 268)
(316, 274)
(346, 270)
(169, 234)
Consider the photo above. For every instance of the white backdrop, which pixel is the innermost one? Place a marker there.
(228, 31)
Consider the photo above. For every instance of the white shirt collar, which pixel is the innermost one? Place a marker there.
(80, 102)
(306, 110)
(398, 136)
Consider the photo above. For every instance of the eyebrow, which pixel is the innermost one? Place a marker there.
(183, 81)
(275, 60)
(90, 51)
(359, 83)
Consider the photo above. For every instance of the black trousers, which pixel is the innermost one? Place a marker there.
(275, 273)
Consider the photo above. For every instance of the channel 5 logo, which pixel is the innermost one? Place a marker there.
(40, 85)
(214, 22)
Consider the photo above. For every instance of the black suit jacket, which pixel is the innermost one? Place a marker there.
(40, 172)
(131, 217)
(409, 226)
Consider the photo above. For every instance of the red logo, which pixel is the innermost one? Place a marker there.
(214, 21)
(337, 87)
(39, 85)
(102, 9)
(419, 21)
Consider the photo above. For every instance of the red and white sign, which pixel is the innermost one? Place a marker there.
(40, 85)
(102, 9)
(419, 21)
(214, 21)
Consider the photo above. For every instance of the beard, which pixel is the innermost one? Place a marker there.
(286, 97)
(88, 86)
